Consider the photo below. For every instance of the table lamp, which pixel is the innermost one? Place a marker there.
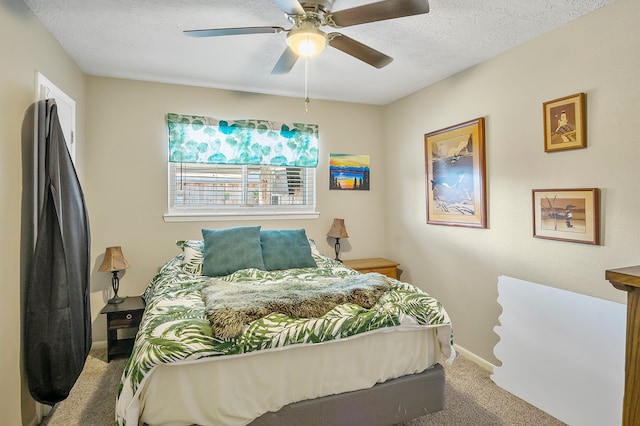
(114, 262)
(338, 231)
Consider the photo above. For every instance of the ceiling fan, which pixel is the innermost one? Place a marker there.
(306, 39)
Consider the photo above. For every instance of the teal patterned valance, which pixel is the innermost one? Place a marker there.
(195, 139)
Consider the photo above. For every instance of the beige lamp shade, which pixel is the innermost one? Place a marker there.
(337, 229)
(113, 260)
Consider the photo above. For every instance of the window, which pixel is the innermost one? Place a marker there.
(225, 188)
(211, 175)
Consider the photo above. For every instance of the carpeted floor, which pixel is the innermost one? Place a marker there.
(471, 399)
(91, 402)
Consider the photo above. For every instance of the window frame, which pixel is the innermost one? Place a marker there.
(241, 212)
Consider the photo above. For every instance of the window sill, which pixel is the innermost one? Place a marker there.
(228, 216)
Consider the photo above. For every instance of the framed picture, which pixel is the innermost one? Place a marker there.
(351, 172)
(565, 123)
(455, 175)
(567, 215)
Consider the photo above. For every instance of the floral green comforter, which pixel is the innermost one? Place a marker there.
(176, 329)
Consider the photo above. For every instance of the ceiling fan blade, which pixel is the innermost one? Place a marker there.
(379, 11)
(359, 50)
(217, 32)
(286, 62)
(291, 7)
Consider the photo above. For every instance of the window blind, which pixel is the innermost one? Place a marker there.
(195, 186)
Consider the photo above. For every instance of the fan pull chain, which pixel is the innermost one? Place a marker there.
(306, 85)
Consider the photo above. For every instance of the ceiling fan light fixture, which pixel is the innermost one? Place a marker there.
(306, 40)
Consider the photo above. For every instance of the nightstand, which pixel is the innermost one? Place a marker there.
(124, 317)
(375, 264)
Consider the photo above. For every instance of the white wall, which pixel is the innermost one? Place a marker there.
(596, 54)
(126, 187)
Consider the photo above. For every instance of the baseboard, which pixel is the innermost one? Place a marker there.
(474, 358)
(40, 412)
(34, 421)
(99, 345)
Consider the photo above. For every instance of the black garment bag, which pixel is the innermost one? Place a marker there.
(57, 330)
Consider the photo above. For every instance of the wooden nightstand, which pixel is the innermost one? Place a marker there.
(125, 316)
(375, 264)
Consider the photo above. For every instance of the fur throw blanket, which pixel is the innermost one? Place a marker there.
(231, 305)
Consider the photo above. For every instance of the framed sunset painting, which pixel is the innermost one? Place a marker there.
(349, 172)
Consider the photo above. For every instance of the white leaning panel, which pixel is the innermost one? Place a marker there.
(561, 351)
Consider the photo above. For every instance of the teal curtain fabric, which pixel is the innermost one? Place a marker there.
(196, 139)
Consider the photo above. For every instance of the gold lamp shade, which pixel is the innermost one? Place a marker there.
(113, 262)
(337, 229)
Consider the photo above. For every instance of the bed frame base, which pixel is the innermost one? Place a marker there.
(388, 403)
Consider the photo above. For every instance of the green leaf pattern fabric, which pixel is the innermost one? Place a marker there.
(199, 139)
(192, 255)
(175, 328)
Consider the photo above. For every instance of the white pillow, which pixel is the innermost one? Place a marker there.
(314, 248)
(192, 255)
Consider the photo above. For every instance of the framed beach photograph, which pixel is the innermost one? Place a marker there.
(456, 175)
(565, 123)
(567, 215)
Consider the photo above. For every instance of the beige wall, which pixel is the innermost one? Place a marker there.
(597, 55)
(122, 165)
(26, 48)
(126, 165)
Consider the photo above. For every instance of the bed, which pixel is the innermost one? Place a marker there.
(370, 358)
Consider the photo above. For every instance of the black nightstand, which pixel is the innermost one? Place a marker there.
(125, 316)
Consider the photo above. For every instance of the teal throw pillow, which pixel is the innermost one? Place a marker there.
(231, 249)
(286, 249)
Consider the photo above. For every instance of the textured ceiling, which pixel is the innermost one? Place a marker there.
(143, 40)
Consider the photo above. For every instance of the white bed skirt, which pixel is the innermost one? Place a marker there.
(234, 390)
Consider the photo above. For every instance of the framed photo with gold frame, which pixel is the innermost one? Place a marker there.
(456, 175)
(565, 123)
(567, 215)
